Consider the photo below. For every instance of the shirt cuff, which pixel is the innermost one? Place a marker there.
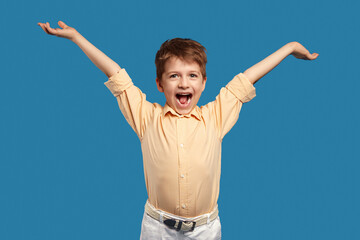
(119, 82)
(242, 88)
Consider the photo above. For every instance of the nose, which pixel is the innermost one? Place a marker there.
(183, 82)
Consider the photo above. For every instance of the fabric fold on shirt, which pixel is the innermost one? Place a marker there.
(242, 88)
(119, 82)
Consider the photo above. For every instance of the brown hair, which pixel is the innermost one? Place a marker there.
(183, 48)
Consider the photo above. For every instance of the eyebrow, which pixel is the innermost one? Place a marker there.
(192, 71)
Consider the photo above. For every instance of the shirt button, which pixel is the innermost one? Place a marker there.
(181, 145)
(182, 176)
(183, 206)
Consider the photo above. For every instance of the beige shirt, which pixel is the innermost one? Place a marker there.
(181, 153)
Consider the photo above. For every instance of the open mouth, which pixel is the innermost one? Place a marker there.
(183, 98)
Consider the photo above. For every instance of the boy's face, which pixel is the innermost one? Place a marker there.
(182, 83)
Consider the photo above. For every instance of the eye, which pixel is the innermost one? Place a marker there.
(193, 75)
(173, 75)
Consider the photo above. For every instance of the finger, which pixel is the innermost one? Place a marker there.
(315, 55)
(50, 30)
(42, 25)
(312, 56)
(62, 24)
(307, 56)
(48, 26)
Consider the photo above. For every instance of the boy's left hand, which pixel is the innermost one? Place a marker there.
(299, 51)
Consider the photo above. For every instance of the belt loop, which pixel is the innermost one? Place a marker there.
(161, 217)
(208, 218)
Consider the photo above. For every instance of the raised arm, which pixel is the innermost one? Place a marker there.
(260, 69)
(103, 62)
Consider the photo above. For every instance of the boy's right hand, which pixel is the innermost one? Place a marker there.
(65, 32)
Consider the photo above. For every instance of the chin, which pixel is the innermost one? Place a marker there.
(183, 111)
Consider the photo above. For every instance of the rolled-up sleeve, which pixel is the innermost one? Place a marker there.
(119, 82)
(227, 105)
(242, 88)
(132, 101)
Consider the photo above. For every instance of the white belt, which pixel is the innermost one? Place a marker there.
(180, 224)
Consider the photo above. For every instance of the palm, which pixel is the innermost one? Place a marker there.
(65, 31)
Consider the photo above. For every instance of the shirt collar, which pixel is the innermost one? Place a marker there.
(195, 112)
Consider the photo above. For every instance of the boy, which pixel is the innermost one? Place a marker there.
(181, 143)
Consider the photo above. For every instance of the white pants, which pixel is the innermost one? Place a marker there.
(152, 229)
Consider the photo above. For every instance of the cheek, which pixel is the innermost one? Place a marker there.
(203, 85)
(200, 88)
(168, 94)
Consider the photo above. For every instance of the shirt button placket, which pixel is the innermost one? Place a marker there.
(182, 166)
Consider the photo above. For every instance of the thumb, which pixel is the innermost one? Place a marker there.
(312, 56)
(62, 24)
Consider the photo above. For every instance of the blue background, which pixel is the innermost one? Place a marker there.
(71, 167)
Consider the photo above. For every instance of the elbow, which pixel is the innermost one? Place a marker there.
(252, 79)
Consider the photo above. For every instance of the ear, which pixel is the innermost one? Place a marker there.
(159, 86)
(204, 83)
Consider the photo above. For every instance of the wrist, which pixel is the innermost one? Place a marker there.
(292, 46)
(76, 37)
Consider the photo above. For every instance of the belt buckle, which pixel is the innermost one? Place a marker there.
(172, 224)
(193, 225)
